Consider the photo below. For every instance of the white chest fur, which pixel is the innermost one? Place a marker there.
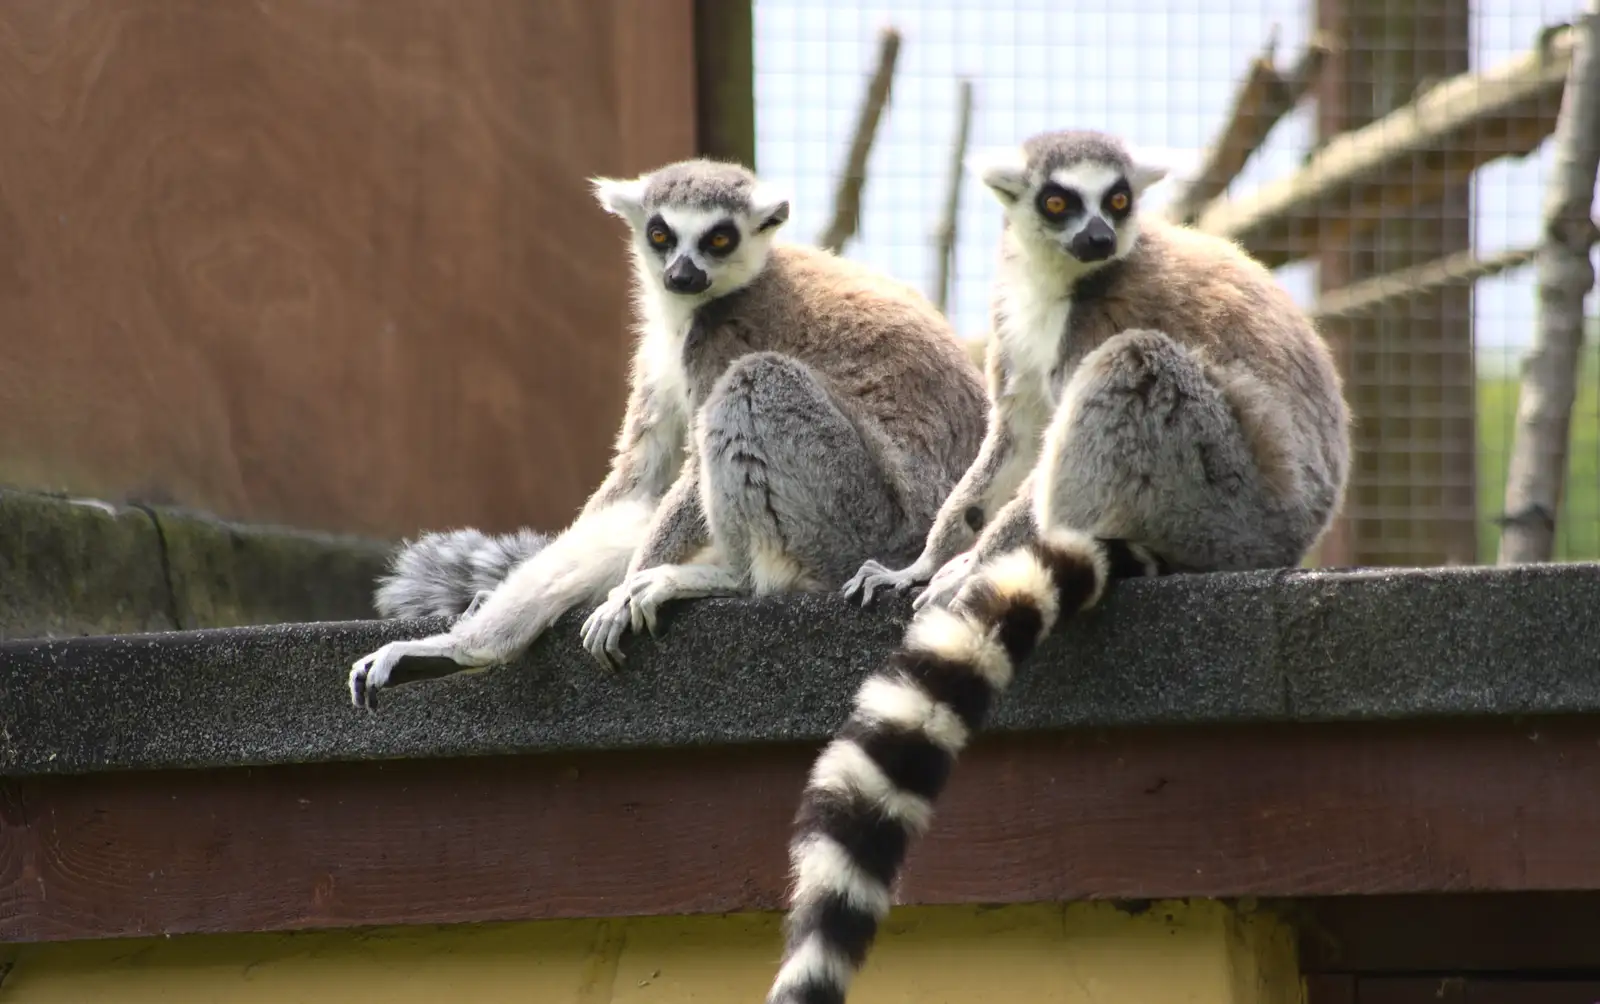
(664, 329)
(1034, 315)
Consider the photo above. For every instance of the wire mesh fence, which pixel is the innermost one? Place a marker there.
(1389, 158)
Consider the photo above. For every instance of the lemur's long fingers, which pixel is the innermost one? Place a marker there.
(591, 627)
(614, 630)
(594, 636)
(858, 583)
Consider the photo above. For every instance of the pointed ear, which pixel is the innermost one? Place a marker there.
(1148, 169)
(620, 197)
(1004, 172)
(769, 207)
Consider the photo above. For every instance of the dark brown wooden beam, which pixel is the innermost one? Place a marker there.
(724, 57)
(1266, 812)
(1450, 933)
(1324, 988)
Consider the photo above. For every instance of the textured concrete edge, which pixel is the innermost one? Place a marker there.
(1225, 649)
(75, 566)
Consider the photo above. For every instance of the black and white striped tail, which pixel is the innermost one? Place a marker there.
(439, 574)
(872, 790)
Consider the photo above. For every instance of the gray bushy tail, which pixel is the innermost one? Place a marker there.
(439, 574)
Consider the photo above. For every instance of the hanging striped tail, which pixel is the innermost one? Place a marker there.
(872, 790)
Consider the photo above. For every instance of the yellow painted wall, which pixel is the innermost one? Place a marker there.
(1196, 953)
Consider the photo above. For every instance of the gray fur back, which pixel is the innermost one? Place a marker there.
(440, 573)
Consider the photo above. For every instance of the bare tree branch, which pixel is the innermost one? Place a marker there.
(1264, 97)
(1538, 464)
(1461, 269)
(946, 233)
(847, 196)
(1402, 159)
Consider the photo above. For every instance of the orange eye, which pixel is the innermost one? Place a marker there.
(719, 241)
(658, 236)
(1119, 202)
(1055, 205)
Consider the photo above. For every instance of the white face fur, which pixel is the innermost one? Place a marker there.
(1080, 216)
(694, 253)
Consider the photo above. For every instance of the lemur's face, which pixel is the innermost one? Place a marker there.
(702, 229)
(1075, 193)
(695, 251)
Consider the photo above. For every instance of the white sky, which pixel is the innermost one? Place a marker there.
(1159, 72)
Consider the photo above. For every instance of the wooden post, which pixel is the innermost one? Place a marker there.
(1409, 370)
(724, 58)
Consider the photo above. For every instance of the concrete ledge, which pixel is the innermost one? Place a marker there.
(1289, 646)
(84, 567)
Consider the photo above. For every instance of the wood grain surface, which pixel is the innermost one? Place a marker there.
(1502, 932)
(1534, 989)
(1307, 811)
(332, 263)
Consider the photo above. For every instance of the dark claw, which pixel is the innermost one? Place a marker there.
(366, 696)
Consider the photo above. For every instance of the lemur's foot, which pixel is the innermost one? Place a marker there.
(402, 662)
(874, 576)
(632, 605)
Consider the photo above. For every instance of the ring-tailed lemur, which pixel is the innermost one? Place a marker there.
(791, 413)
(1185, 416)
(1080, 269)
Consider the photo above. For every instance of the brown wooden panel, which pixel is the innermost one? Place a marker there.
(1463, 990)
(1415, 990)
(1266, 812)
(724, 39)
(1533, 991)
(1330, 988)
(332, 264)
(1455, 932)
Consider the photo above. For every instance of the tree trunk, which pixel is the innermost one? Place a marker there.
(1538, 462)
